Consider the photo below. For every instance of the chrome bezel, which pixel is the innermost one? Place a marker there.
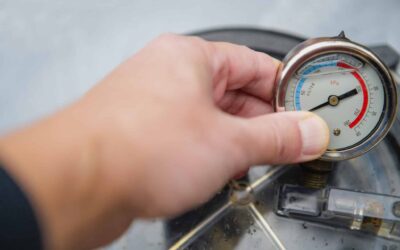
(312, 48)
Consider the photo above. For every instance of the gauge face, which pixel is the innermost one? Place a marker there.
(347, 92)
(344, 83)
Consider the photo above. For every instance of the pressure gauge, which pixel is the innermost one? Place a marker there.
(344, 83)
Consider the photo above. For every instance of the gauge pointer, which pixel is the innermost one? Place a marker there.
(333, 100)
(348, 94)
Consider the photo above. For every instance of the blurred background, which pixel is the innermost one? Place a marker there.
(52, 52)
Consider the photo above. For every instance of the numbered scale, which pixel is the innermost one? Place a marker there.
(344, 83)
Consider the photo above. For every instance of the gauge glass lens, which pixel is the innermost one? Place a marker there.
(345, 91)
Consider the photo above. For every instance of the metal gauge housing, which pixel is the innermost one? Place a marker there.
(344, 83)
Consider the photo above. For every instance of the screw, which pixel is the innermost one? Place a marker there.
(333, 100)
(336, 131)
(396, 209)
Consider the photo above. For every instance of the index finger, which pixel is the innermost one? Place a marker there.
(236, 67)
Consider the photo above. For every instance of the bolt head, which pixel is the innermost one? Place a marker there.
(396, 209)
(336, 132)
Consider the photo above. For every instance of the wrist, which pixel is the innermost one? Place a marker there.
(55, 162)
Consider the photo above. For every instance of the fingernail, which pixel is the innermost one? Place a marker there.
(315, 136)
(276, 61)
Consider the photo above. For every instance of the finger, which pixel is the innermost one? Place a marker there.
(238, 67)
(280, 138)
(244, 105)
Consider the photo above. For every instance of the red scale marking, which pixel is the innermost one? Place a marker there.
(364, 91)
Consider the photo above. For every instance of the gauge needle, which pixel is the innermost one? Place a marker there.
(333, 100)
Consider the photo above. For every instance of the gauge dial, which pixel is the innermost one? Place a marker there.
(345, 84)
(346, 92)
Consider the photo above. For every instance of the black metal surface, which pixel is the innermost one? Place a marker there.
(278, 44)
(274, 43)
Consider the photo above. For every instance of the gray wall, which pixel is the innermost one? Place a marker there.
(51, 51)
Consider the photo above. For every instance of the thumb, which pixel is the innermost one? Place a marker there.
(283, 137)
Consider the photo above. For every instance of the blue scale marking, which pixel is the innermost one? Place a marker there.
(303, 79)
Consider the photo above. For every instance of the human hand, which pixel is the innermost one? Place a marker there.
(158, 136)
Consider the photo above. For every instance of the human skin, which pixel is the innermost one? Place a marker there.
(161, 134)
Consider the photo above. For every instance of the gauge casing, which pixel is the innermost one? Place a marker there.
(317, 47)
